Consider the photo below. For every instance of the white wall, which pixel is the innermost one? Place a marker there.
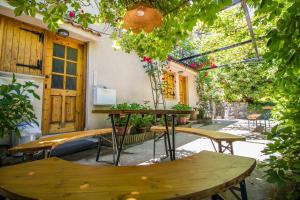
(117, 70)
(124, 72)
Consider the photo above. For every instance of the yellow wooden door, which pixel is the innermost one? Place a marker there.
(63, 94)
(182, 90)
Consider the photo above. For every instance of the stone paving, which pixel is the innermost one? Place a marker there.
(258, 188)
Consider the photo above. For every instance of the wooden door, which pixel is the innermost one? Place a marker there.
(63, 94)
(182, 90)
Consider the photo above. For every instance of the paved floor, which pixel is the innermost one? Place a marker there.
(258, 188)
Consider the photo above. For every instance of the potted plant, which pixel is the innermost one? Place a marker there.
(142, 124)
(16, 108)
(120, 120)
(183, 118)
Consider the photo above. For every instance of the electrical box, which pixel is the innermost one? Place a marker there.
(104, 96)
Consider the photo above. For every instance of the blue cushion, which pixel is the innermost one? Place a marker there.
(74, 146)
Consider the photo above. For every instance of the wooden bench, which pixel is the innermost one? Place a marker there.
(46, 144)
(202, 175)
(218, 137)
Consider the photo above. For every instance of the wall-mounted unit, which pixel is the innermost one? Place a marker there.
(104, 96)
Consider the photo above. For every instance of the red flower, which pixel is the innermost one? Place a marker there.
(200, 66)
(206, 74)
(213, 65)
(72, 14)
(147, 59)
(193, 64)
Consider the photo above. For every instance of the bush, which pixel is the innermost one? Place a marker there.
(15, 106)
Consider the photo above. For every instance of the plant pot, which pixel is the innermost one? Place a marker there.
(193, 115)
(120, 130)
(182, 120)
(142, 129)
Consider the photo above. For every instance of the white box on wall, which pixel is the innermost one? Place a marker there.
(104, 96)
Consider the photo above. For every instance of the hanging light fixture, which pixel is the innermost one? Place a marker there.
(142, 17)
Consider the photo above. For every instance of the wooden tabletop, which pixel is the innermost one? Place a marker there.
(253, 116)
(53, 141)
(200, 175)
(153, 112)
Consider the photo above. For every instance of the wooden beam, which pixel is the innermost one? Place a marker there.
(250, 27)
(219, 49)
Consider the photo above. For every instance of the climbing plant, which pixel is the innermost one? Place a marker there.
(179, 19)
(284, 53)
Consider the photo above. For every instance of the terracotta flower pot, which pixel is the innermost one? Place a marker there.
(142, 130)
(120, 130)
(182, 120)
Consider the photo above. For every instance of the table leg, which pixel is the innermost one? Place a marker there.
(168, 136)
(99, 148)
(120, 146)
(243, 190)
(173, 137)
(113, 137)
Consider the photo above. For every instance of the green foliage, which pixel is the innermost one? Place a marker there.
(181, 107)
(15, 106)
(179, 19)
(54, 12)
(284, 53)
(120, 120)
(143, 121)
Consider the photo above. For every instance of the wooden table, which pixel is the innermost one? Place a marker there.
(199, 176)
(164, 113)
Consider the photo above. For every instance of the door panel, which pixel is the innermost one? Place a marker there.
(182, 90)
(63, 109)
(21, 47)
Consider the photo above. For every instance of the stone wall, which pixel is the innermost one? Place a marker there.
(236, 110)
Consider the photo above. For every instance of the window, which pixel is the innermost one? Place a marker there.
(64, 67)
(168, 85)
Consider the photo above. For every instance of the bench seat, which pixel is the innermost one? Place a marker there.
(198, 176)
(219, 137)
(50, 142)
(214, 135)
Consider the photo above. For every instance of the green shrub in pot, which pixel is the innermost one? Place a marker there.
(120, 120)
(182, 118)
(142, 124)
(16, 107)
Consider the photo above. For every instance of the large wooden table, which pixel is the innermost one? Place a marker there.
(198, 176)
(164, 113)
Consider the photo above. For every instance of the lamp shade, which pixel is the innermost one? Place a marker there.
(142, 18)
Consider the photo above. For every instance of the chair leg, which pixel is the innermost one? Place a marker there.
(99, 148)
